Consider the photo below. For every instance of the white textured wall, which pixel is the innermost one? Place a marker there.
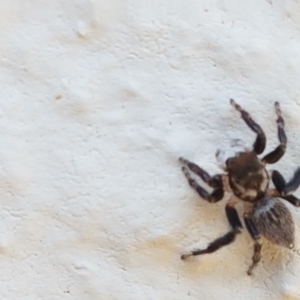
(98, 99)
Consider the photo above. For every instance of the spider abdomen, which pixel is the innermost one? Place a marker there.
(274, 221)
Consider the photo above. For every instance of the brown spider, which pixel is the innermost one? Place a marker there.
(247, 178)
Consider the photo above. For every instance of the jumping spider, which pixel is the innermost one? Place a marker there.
(248, 180)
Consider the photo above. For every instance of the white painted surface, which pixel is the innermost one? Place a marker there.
(98, 100)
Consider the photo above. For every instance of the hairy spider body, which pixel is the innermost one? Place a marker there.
(247, 179)
(274, 221)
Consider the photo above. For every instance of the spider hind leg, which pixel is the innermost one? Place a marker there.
(224, 240)
(257, 243)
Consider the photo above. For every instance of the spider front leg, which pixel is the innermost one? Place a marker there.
(286, 188)
(276, 154)
(224, 240)
(215, 182)
(260, 142)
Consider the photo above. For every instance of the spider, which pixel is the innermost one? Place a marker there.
(247, 179)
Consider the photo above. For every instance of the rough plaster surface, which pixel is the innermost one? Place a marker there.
(98, 100)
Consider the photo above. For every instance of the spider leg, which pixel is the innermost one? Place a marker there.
(286, 188)
(215, 182)
(257, 243)
(224, 240)
(260, 142)
(276, 154)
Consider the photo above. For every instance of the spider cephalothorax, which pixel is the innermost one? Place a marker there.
(248, 180)
(248, 177)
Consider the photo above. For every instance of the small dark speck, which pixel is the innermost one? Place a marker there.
(58, 97)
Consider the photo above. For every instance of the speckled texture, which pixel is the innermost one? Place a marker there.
(98, 100)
